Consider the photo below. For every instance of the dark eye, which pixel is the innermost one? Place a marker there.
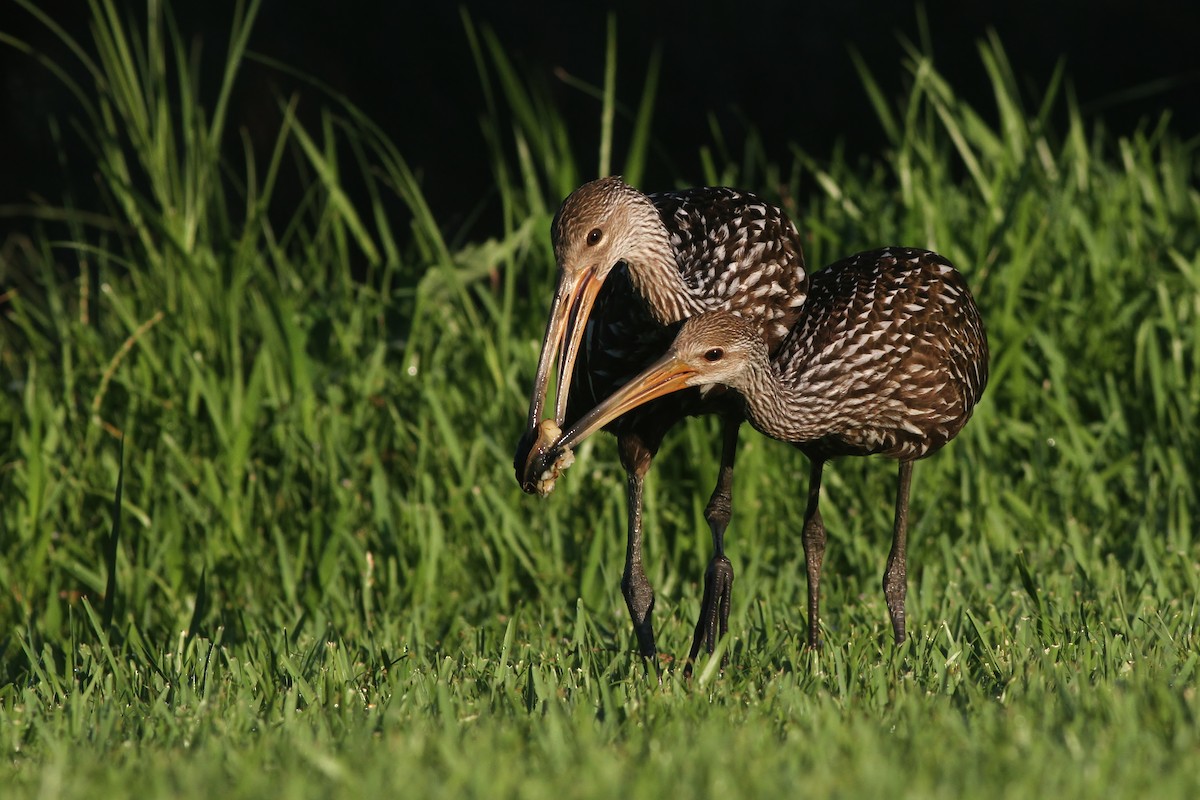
(594, 237)
(716, 354)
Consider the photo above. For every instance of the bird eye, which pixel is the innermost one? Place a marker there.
(594, 237)
(716, 354)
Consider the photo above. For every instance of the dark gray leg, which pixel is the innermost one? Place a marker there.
(718, 578)
(895, 578)
(639, 594)
(814, 552)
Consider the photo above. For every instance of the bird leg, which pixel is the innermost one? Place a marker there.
(895, 584)
(718, 578)
(636, 456)
(814, 552)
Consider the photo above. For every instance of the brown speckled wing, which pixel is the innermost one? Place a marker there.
(890, 354)
(743, 254)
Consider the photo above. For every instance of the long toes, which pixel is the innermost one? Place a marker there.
(710, 624)
(718, 590)
(714, 609)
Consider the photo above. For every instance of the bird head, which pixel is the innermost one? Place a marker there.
(714, 348)
(601, 224)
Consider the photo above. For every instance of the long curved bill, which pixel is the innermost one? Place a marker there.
(573, 300)
(664, 376)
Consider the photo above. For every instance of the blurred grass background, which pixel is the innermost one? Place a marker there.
(319, 577)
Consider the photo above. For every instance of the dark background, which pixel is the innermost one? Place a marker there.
(781, 67)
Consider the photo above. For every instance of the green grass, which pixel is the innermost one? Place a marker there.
(319, 577)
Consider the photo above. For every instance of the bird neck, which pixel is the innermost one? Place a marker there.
(779, 409)
(655, 272)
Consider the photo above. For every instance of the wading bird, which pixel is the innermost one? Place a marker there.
(889, 357)
(629, 265)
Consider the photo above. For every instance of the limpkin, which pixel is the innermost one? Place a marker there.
(888, 357)
(630, 264)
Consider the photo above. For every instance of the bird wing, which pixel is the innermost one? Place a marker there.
(741, 252)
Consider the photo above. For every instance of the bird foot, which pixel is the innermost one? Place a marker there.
(714, 610)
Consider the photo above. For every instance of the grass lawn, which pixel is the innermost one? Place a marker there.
(260, 536)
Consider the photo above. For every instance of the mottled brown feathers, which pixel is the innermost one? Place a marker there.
(889, 356)
(680, 254)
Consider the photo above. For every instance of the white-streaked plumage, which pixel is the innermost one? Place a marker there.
(888, 357)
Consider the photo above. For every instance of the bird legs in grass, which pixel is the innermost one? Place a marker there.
(813, 538)
(713, 622)
(636, 455)
(895, 583)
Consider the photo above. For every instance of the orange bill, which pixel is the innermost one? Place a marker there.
(666, 375)
(573, 300)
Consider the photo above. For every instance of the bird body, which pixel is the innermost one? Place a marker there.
(630, 265)
(888, 357)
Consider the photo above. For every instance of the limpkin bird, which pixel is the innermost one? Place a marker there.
(631, 264)
(889, 357)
